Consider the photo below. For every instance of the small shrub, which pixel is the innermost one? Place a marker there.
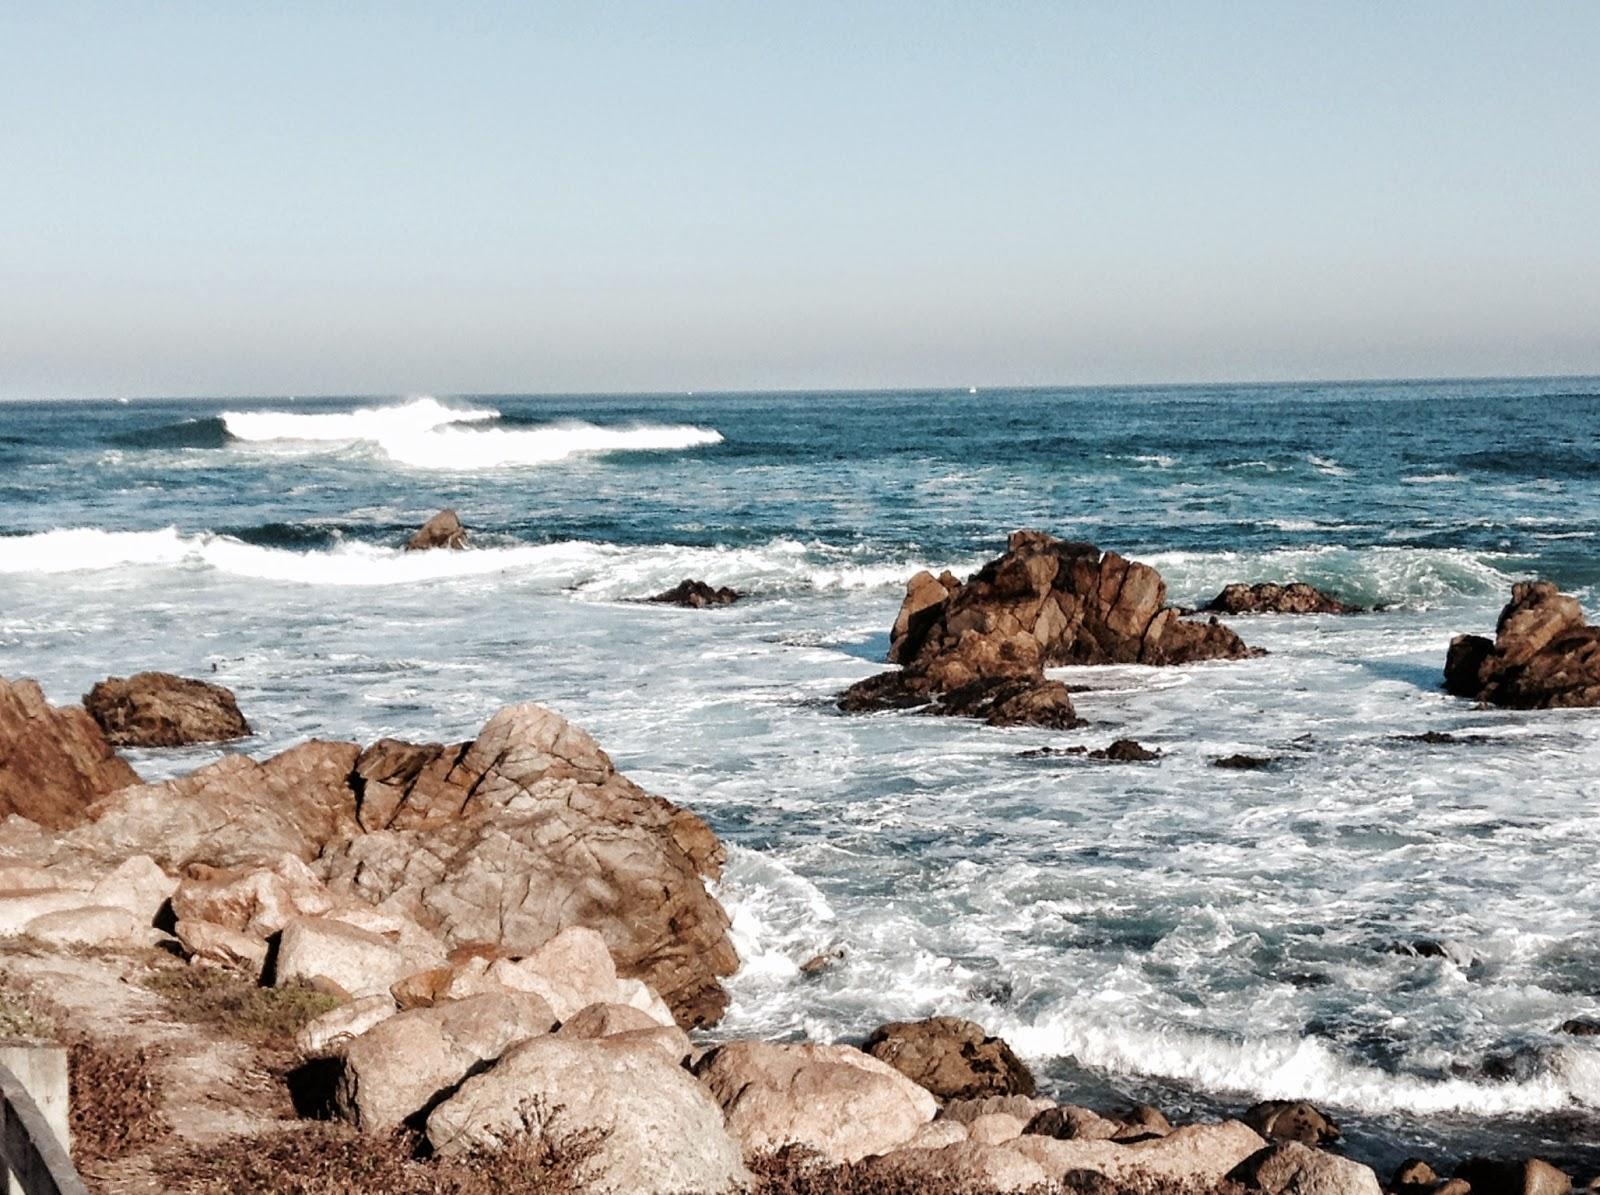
(237, 1006)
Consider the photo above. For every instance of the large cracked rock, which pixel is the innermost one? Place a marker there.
(529, 830)
(980, 648)
(157, 709)
(54, 762)
(1544, 655)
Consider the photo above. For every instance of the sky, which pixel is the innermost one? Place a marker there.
(452, 198)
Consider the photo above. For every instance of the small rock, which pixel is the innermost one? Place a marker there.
(1243, 763)
(696, 595)
(1071, 1123)
(572, 970)
(1293, 1168)
(444, 530)
(1414, 1177)
(1125, 751)
(1291, 1120)
(824, 961)
(208, 943)
(951, 1057)
(330, 1031)
(1267, 597)
(1580, 1027)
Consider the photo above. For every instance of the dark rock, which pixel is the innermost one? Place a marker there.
(1125, 751)
(1244, 763)
(1268, 597)
(1544, 655)
(1430, 736)
(1291, 1120)
(157, 709)
(1531, 1176)
(54, 763)
(697, 595)
(1045, 602)
(444, 530)
(952, 1058)
(1432, 948)
(1580, 1027)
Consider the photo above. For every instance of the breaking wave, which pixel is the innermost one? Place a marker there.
(426, 434)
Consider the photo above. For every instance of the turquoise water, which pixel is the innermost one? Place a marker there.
(1191, 935)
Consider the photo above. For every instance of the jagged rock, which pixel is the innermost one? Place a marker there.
(1529, 1176)
(54, 763)
(408, 1062)
(697, 595)
(1291, 1120)
(833, 1099)
(1294, 1168)
(157, 709)
(1268, 597)
(528, 830)
(443, 530)
(962, 1166)
(232, 813)
(1543, 656)
(952, 1058)
(655, 1129)
(258, 901)
(1197, 1153)
(1045, 602)
(1243, 763)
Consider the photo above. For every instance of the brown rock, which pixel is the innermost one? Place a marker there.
(696, 595)
(218, 946)
(1125, 751)
(54, 763)
(1267, 597)
(1580, 1027)
(833, 1099)
(1544, 655)
(1196, 1153)
(258, 901)
(157, 709)
(1070, 1123)
(444, 530)
(529, 830)
(962, 1166)
(1291, 1120)
(1023, 1107)
(1414, 1177)
(1045, 602)
(952, 1058)
(1530, 1176)
(1294, 1168)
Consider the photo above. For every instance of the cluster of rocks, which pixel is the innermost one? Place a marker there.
(1544, 654)
(696, 595)
(979, 648)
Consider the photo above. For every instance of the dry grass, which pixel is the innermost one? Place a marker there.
(234, 1005)
(797, 1171)
(116, 1100)
(329, 1158)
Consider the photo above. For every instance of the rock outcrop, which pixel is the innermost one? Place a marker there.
(1268, 597)
(54, 762)
(157, 709)
(980, 648)
(697, 595)
(529, 830)
(954, 1059)
(1544, 655)
(444, 530)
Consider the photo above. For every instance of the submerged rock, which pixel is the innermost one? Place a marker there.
(444, 530)
(697, 595)
(1268, 597)
(979, 648)
(1243, 763)
(951, 1057)
(1544, 654)
(54, 762)
(157, 709)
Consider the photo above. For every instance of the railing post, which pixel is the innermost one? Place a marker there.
(34, 1129)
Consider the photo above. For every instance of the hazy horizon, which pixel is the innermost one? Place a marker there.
(380, 202)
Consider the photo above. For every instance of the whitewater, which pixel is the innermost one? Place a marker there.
(1169, 931)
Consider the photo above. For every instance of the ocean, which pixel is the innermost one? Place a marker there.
(1168, 931)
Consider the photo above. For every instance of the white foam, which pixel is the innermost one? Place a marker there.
(593, 570)
(426, 434)
(1324, 465)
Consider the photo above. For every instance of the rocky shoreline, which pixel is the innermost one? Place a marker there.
(506, 941)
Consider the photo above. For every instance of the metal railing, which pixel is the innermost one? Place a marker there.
(32, 1160)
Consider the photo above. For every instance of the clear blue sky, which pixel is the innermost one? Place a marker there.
(244, 198)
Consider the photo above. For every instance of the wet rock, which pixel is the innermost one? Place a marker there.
(696, 595)
(157, 709)
(1414, 1177)
(951, 1057)
(1291, 1120)
(54, 762)
(1243, 763)
(529, 830)
(1125, 751)
(1452, 952)
(1544, 654)
(1580, 1027)
(1293, 1168)
(979, 648)
(655, 1128)
(836, 1100)
(1530, 1176)
(1268, 597)
(822, 961)
(406, 1063)
(443, 530)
